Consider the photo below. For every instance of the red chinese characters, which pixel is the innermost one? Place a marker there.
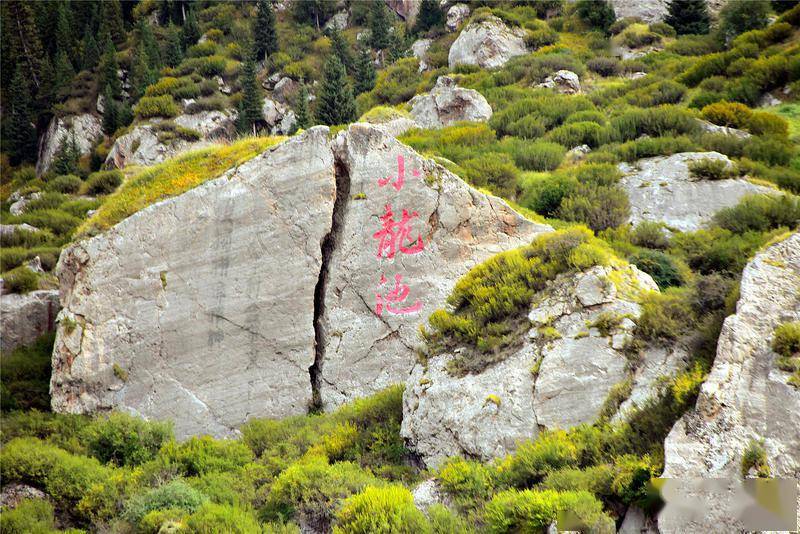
(395, 236)
(390, 301)
(401, 175)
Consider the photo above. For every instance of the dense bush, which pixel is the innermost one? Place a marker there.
(760, 213)
(198, 456)
(25, 381)
(534, 511)
(29, 516)
(211, 518)
(156, 106)
(711, 169)
(656, 94)
(544, 194)
(533, 156)
(174, 495)
(125, 440)
(398, 83)
(650, 235)
(579, 133)
(665, 316)
(598, 206)
(67, 183)
(386, 509)
(493, 170)
(102, 182)
(655, 122)
(469, 483)
(21, 280)
(786, 340)
(647, 147)
(604, 66)
(660, 266)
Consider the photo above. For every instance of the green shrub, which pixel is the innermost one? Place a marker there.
(207, 66)
(175, 87)
(398, 82)
(385, 509)
(47, 201)
(771, 150)
(534, 511)
(665, 316)
(579, 133)
(660, 266)
(647, 147)
(211, 518)
(443, 521)
(656, 94)
(156, 106)
(599, 207)
(711, 169)
(763, 123)
(760, 213)
(469, 483)
(198, 456)
(21, 280)
(67, 183)
(174, 495)
(650, 234)
(12, 256)
(604, 66)
(705, 67)
(493, 170)
(208, 103)
(544, 195)
(534, 156)
(755, 457)
(34, 516)
(589, 115)
(654, 122)
(533, 460)
(102, 182)
(602, 174)
(126, 440)
(26, 376)
(731, 114)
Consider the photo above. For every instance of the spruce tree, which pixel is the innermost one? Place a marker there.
(173, 53)
(301, 107)
(596, 13)
(141, 74)
(191, 31)
(111, 20)
(341, 48)
(264, 31)
(335, 104)
(90, 51)
(64, 35)
(430, 15)
(364, 72)
(64, 73)
(688, 16)
(66, 157)
(150, 46)
(25, 44)
(109, 68)
(110, 112)
(20, 134)
(379, 25)
(252, 98)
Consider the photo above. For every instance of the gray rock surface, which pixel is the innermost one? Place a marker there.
(12, 494)
(710, 127)
(23, 318)
(285, 91)
(488, 44)
(552, 380)
(456, 15)
(662, 189)
(419, 49)
(744, 398)
(648, 11)
(18, 207)
(447, 104)
(87, 128)
(563, 81)
(192, 298)
(280, 119)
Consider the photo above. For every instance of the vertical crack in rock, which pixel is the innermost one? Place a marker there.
(328, 245)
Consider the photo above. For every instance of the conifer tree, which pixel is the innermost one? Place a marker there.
(20, 134)
(341, 48)
(90, 52)
(109, 68)
(64, 35)
(173, 53)
(111, 20)
(430, 15)
(335, 104)
(596, 13)
(110, 112)
(141, 74)
(364, 72)
(64, 73)
(150, 46)
(24, 40)
(301, 107)
(379, 25)
(252, 99)
(66, 157)
(264, 31)
(191, 31)
(688, 16)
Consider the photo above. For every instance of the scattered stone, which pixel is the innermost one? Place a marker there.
(285, 90)
(8, 230)
(24, 318)
(648, 11)
(456, 15)
(20, 206)
(419, 48)
(578, 153)
(12, 494)
(338, 21)
(488, 44)
(564, 82)
(713, 128)
(447, 104)
(768, 101)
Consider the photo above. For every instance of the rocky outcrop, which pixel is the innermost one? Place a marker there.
(447, 104)
(745, 398)
(280, 120)
(456, 15)
(565, 82)
(23, 318)
(488, 44)
(20, 206)
(405, 9)
(87, 129)
(662, 189)
(255, 294)
(419, 49)
(12, 494)
(559, 377)
(648, 11)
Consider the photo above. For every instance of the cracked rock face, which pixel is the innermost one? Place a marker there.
(88, 129)
(488, 44)
(200, 308)
(550, 381)
(447, 104)
(662, 189)
(459, 227)
(745, 397)
(23, 318)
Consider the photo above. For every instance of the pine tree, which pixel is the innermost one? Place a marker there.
(430, 15)
(20, 134)
(301, 107)
(191, 31)
(335, 104)
(688, 16)
(141, 74)
(109, 68)
(91, 53)
(111, 20)
(150, 46)
(173, 53)
(379, 25)
(314, 12)
(596, 13)
(264, 31)
(252, 98)
(66, 157)
(364, 72)
(341, 48)
(24, 40)
(64, 35)
(64, 73)
(110, 112)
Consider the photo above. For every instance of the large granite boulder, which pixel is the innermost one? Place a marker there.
(447, 104)
(23, 318)
(255, 294)
(186, 310)
(745, 399)
(488, 44)
(663, 189)
(87, 129)
(559, 377)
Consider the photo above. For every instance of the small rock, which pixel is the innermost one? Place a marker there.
(223, 87)
(13, 493)
(35, 265)
(285, 90)
(578, 153)
(456, 15)
(636, 75)
(713, 128)
(100, 105)
(618, 341)
(7, 230)
(419, 49)
(20, 206)
(338, 21)
(768, 100)
(564, 81)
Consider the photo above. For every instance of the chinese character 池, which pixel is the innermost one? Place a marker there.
(391, 300)
(401, 175)
(394, 235)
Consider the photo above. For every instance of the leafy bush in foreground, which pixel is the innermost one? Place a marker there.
(387, 509)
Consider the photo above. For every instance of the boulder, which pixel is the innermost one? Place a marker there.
(338, 21)
(550, 381)
(280, 119)
(23, 318)
(456, 15)
(87, 129)
(648, 11)
(662, 189)
(405, 9)
(12, 494)
(578, 153)
(202, 319)
(710, 127)
(210, 124)
(768, 100)
(745, 398)
(488, 44)
(18, 207)
(397, 126)
(447, 104)
(637, 522)
(419, 49)
(201, 322)
(8, 230)
(285, 90)
(564, 82)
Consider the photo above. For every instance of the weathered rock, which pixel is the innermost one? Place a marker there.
(87, 128)
(459, 227)
(23, 318)
(280, 119)
(8, 230)
(13, 493)
(662, 189)
(768, 100)
(563, 81)
(285, 91)
(210, 124)
(427, 493)
(744, 398)
(405, 9)
(456, 16)
(20, 206)
(636, 522)
(338, 21)
(419, 49)
(550, 381)
(488, 44)
(713, 128)
(397, 126)
(578, 153)
(648, 11)
(193, 300)
(447, 104)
